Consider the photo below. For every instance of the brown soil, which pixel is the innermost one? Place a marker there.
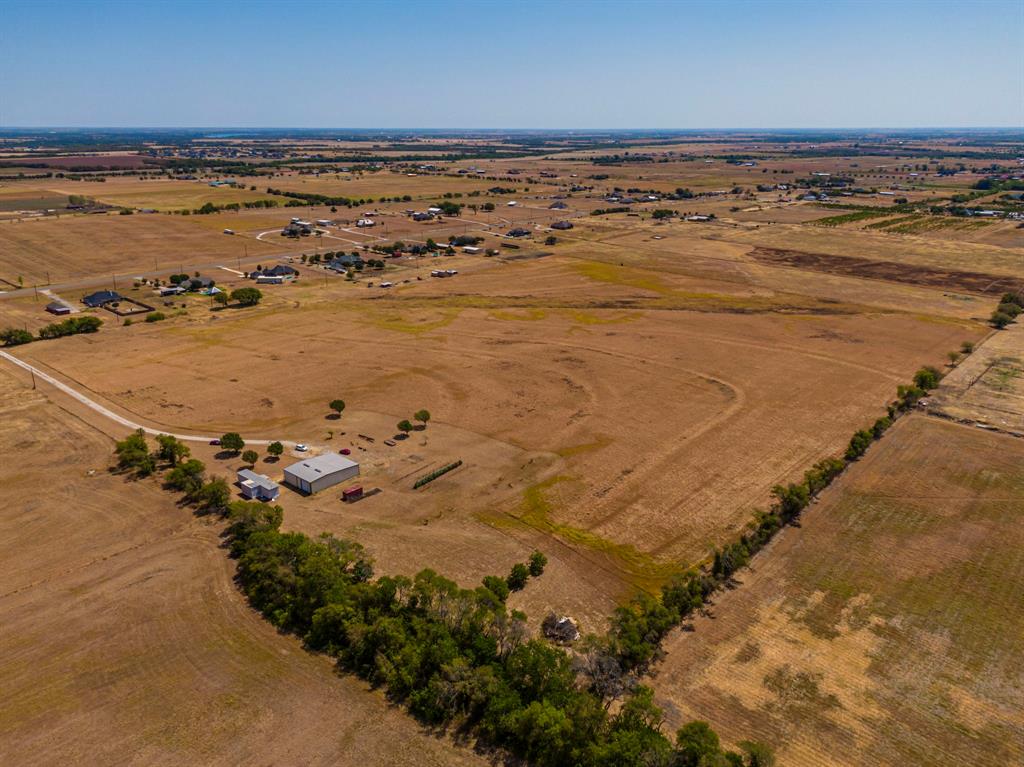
(971, 282)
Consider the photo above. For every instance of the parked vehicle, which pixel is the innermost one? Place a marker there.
(301, 447)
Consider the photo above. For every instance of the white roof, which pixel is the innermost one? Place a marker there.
(257, 480)
(319, 466)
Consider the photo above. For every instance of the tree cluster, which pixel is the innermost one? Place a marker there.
(1011, 305)
(455, 657)
(69, 327)
(246, 296)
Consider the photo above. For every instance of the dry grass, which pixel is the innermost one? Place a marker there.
(126, 642)
(888, 629)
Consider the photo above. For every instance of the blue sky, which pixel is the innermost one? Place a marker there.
(512, 64)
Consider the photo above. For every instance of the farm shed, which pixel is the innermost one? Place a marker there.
(315, 474)
(258, 486)
(562, 225)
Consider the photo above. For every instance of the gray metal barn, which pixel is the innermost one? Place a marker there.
(315, 474)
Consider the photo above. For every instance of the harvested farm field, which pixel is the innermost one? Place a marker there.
(724, 413)
(638, 416)
(888, 629)
(972, 282)
(126, 642)
(71, 247)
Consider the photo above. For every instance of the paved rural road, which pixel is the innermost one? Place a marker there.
(114, 416)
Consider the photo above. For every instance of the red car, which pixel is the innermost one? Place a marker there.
(345, 451)
(214, 441)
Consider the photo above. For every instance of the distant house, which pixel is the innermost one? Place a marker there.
(562, 225)
(471, 250)
(56, 307)
(315, 474)
(297, 229)
(518, 232)
(422, 216)
(171, 290)
(344, 261)
(558, 205)
(257, 486)
(197, 283)
(101, 298)
(279, 273)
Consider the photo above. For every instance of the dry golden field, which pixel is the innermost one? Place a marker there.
(125, 640)
(71, 248)
(634, 412)
(622, 399)
(887, 630)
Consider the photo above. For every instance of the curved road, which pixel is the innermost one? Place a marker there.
(105, 411)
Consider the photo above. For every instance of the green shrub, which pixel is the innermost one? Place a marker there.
(427, 478)
(15, 336)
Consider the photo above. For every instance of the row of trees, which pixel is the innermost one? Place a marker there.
(638, 629)
(69, 327)
(241, 296)
(1011, 305)
(455, 657)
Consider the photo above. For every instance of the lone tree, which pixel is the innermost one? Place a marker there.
(338, 406)
(404, 426)
(517, 578)
(171, 449)
(537, 564)
(246, 296)
(275, 449)
(221, 298)
(250, 457)
(232, 441)
(422, 416)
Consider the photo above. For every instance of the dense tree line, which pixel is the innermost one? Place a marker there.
(69, 327)
(457, 658)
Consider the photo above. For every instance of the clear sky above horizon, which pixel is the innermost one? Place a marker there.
(512, 64)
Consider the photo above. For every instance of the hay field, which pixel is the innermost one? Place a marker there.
(159, 194)
(637, 414)
(988, 386)
(126, 642)
(381, 184)
(887, 629)
(70, 248)
(925, 251)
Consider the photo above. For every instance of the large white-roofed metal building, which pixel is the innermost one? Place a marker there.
(312, 475)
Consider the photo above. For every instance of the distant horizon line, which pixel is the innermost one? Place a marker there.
(1019, 128)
